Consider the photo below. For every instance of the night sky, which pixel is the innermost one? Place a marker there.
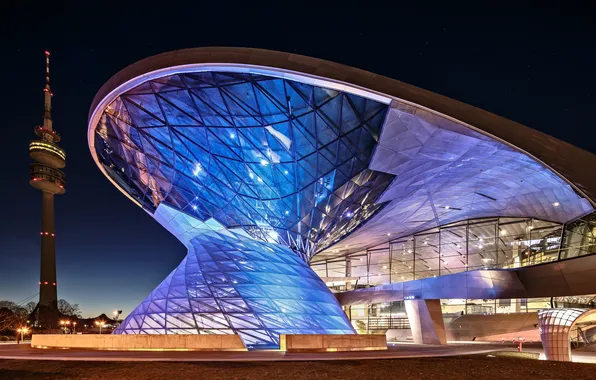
(534, 66)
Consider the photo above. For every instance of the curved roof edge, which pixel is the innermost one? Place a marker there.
(559, 155)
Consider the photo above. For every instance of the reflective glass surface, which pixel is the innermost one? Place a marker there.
(286, 161)
(458, 247)
(230, 283)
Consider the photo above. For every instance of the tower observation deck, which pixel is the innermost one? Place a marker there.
(46, 176)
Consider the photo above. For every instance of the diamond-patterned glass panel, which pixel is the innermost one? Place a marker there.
(284, 160)
(230, 282)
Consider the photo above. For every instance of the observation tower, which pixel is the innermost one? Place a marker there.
(46, 176)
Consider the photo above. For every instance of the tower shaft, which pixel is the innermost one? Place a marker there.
(48, 294)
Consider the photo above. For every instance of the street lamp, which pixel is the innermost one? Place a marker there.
(23, 331)
(100, 324)
(74, 327)
(64, 323)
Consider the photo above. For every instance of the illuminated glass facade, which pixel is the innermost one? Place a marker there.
(458, 247)
(447, 172)
(284, 160)
(230, 283)
(485, 243)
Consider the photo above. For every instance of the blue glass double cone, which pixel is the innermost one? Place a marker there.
(230, 283)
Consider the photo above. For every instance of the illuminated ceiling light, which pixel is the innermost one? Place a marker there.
(384, 266)
(361, 259)
(446, 207)
(501, 232)
(480, 246)
(556, 204)
(232, 135)
(194, 207)
(287, 212)
(409, 251)
(273, 234)
(264, 162)
(197, 169)
(349, 214)
(285, 172)
(388, 233)
(480, 240)
(251, 175)
(259, 178)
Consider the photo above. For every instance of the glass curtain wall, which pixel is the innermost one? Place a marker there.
(458, 247)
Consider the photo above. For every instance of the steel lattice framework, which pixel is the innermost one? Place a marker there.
(286, 161)
(231, 283)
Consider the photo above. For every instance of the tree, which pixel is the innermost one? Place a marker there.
(68, 309)
(12, 316)
(361, 327)
(30, 306)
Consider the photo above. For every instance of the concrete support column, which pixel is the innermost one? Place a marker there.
(426, 321)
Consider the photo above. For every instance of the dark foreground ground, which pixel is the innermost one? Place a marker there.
(462, 367)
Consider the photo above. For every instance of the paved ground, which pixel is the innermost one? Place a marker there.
(25, 352)
(403, 350)
(444, 368)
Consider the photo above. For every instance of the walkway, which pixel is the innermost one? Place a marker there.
(24, 351)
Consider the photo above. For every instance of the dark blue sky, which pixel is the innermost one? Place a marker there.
(534, 66)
